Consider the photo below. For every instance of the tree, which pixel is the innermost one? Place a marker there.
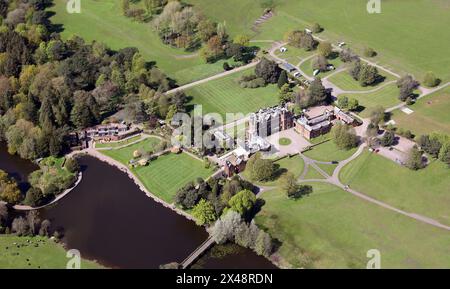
(45, 228)
(430, 145)
(4, 215)
(316, 28)
(407, 85)
(342, 101)
(34, 197)
(260, 169)
(414, 161)
(377, 115)
(317, 92)
(301, 39)
(20, 227)
(263, 244)
(353, 104)
(242, 39)
(355, 69)
(430, 79)
(9, 191)
(268, 70)
(320, 62)
(187, 196)
(204, 212)
(347, 55)
(226, 66)
(388, 139)
(283, 79)
(289, 184)
(206, 29)
(325, 49)
(72, 165)
(286, 93)
(368, 75)
(242, 202)
(224, 228)
(344, 136)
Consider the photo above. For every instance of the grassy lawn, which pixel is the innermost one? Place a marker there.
(395, 39)
(386, 97)
(237, 15)
(425, 192)
(225, 95)
(431, 113)
(328, 151)
(46, 255)
(333, 229)
(115, 144)
(118, 31)
(124, 155)
(306, 67)
(293, 54)
(329, 169)
(293, 164)
(344, 81)
(168, 173)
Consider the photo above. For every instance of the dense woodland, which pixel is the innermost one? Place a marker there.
(50, 87)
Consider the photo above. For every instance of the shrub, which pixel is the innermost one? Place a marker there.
(34, 197)
(72, 165)
(316, 28)
(430, 79)
(369, 52)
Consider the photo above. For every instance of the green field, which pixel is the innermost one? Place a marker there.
(168, 173)
(125, 154)
(103, 21)
(237, 15)
(293, 54)
(411, 43)
(46, 255)
(344, 81)
(328, 151)
(431, 113)
(293, 164)
(333, 229)
(425, 192)
(115, 144)
(165, 175)
(225, 95)
(386, 97)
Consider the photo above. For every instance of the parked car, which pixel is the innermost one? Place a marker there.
(340, 44)
(297, 74)
(316, 72)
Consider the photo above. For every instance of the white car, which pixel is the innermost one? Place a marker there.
(340, 44)
(316, 72)
(297, 74)
(283, 49)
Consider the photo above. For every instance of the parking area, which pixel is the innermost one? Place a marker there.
(398, 152)
(296, 145)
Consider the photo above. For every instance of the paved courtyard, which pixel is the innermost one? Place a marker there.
(298, 143)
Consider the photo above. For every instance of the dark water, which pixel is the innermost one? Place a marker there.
(232, 256)
(16, 167)
(108, 219)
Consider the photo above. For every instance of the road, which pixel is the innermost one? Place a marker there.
(216, 76)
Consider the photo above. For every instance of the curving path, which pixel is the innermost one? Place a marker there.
(334, 180)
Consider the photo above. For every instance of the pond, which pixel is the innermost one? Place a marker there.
(108, 219)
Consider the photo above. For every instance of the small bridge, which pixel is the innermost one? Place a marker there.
(197, 252)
